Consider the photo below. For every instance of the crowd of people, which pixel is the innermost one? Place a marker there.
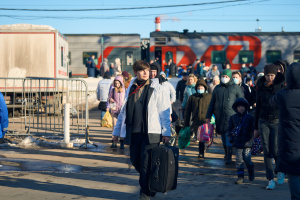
(245, 104)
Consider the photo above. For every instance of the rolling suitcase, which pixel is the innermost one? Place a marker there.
(164, 168)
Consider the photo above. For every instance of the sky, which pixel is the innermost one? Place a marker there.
(69, 16)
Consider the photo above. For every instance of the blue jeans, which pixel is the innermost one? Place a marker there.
(268, 131)
(294, 185)
(167, 72)
(243, 155)
(225, 140)
(102, 114)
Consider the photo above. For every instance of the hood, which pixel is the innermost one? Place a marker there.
(281, 62)
(240, 101)
(292, 76)
(201, 82)
(120, 79)
(278, 80)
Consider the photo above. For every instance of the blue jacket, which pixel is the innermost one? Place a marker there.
(188, 91)
(3, 116)
(90, 65)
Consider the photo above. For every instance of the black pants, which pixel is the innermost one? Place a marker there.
(140, 157)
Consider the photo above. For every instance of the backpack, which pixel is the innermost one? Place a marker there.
(205, 133)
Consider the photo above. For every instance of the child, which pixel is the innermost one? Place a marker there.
(114, 103)
(240, 132)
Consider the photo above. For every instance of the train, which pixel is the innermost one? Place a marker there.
(258, 48)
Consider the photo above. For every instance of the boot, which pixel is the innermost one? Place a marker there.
(225, 150)
(229, 155)
(201, 149)
(251, 172)
(240, 179)
(113, 145)
(121, 144)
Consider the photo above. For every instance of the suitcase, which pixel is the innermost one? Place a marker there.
(164, 168)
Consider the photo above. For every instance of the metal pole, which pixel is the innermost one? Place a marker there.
(67, 123)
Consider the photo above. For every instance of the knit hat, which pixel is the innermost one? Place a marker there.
(270, 69)
(153, 67)
(227, 72)
(125, 74)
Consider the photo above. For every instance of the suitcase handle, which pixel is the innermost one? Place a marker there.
(157, 169)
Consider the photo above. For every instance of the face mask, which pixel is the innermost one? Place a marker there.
(200, 91)
(225, 80)
(243, 66)
(236, 81)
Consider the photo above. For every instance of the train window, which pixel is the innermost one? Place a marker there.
(86, 55)
(218, 56)
(273, 55)
(169, 55)
(160, 40)
(69, 56)
(246, 56)
(129, 58)
(297, 56)
(62, 56)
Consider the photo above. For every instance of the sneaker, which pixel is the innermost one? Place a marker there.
(200, 155)
(144, 197)
(239, 180)
(271, 185)
(280, 178)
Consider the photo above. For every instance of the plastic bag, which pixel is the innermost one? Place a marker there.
(184, 138)
(107, 120)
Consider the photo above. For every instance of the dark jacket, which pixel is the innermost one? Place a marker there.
(247, 93)
(180, 89)
(245, 137)
(263, 108)
(173, 70)
(288, 102)
(223, 97)
(3, 116)
(197, 106)
(90, 65)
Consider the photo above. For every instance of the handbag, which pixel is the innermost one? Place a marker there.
(236, 131)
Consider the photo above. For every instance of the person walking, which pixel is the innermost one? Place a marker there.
(173, 70)
(117, 68)
(180, 87)
(143, 121)
(102, 92)
(223, 97)
(196, 107)
(3, 118)
(288, 102)
(90, 65)
(104, 67)
(189, 89)
(242, 139)
(114, 103)
(266, 120)
(213, 72)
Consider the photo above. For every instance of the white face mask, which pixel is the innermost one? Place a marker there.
(225, 80)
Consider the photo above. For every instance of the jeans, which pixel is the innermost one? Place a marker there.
(269, 133)
(225, 140)
(102, 114)
(140, 157)
(243, 155)
(294, 185)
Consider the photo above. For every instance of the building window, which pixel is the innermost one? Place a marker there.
(273, 55)
(246, 56)
(129, 58)
(62, 56)
(297, 56)
(86, 55)
(169, 55)
(69, 57)
(218, 56)
(160, 41)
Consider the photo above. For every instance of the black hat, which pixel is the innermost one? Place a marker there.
(270, 69)
(153, 67)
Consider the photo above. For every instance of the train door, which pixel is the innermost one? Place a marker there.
(167, 53)
(157, 55)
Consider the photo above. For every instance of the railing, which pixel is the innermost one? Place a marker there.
(36, 105)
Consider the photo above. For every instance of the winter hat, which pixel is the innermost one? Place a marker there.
(227, 72)
(270, 69)
(184, 74)
(153, 67)
(125, 74)
(106, 75)
(162, 73)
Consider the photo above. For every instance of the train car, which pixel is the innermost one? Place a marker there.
(28, 50)
(259, 48)
(126, 47)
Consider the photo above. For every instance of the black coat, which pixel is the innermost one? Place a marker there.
(173, 70)
(90, 65)
(223, 97)
(180, 89)
(263, 108)
(288, 102)
(245, 138)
